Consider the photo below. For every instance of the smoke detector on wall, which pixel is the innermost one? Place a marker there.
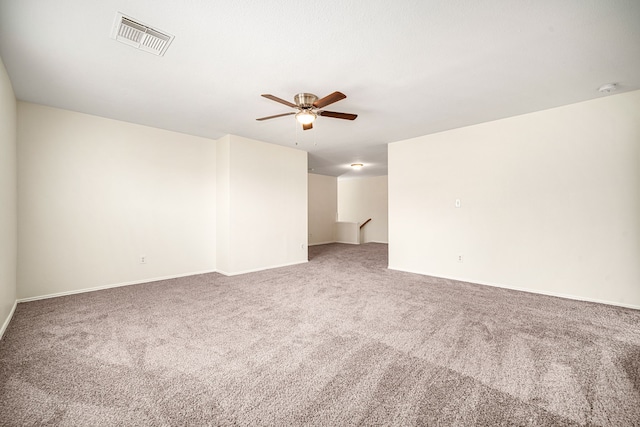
(141, 36)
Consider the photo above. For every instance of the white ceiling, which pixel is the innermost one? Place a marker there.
(408, 68)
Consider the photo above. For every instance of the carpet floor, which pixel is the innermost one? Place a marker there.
(339, 341)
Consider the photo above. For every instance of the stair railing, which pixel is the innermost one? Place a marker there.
(360, 231)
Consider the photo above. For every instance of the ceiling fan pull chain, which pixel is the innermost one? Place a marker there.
(315, 138)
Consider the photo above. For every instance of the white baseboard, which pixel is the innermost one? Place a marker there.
(115, 285)
(5, 325)
(321, 243)
(345, 243)
(533, 291)
(237, 273)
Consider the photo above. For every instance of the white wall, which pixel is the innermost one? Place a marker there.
(8, 199)
(347, 232)
(267, 205)
(223, 203)
(97, 194)
(363, 198)
(550, 201)
(323, 208)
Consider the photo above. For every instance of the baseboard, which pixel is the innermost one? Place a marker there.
(237, 273)
(5, 325)
(321, 243)
(115, 285)
(533, 291)
(345, 243)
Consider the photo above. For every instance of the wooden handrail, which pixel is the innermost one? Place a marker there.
(365, 223)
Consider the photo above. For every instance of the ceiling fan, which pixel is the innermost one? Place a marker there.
(309, 107)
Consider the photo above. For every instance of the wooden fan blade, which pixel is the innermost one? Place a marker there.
(307, 127)
(335, 115)
(277, 115)
(281, 101)
(329, 99)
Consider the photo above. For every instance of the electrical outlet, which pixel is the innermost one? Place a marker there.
(460, 259)
(143, 259)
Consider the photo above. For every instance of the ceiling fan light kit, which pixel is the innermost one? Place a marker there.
(306, 117)
(310, 107)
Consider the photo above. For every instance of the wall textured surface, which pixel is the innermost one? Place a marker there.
(8, 198)
(549, 202)
(96, 195)
(363, 198)
(323, 208)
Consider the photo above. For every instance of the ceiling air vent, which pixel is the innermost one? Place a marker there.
(141, 36)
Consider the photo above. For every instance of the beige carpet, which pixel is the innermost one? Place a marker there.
(338, 341)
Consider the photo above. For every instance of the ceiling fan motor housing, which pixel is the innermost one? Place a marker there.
(305, 100)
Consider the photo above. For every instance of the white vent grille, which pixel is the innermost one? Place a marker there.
(140, 36)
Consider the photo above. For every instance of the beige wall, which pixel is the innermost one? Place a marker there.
(323, 208)
(8, 199)
(223, 206)
(267, 205)
(363, 198)
(97, 194)
(550, 202)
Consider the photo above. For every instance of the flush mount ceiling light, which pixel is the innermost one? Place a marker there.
(607, 88)
(357, 166)
(306, 117)
(136, 34)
